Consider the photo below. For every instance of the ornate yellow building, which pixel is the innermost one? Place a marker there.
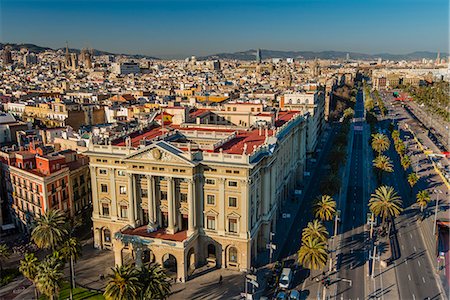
(186, 197)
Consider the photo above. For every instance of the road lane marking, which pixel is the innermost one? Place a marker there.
(414, 297)
(418, 262)
(423, 279)
(406, 261)
(403, 247)
(409, 277)
(415, 249)
(410, 235)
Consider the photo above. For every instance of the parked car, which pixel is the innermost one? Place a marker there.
(285, 278)
(281, 296)
(294, 295)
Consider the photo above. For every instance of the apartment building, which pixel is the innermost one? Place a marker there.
(36, 181)
(189, 196)
(312, 102)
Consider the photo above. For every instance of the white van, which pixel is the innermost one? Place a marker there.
(285, 278)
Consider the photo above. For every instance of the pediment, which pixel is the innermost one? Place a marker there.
(234, 215)
(159, 152)
(211, 212)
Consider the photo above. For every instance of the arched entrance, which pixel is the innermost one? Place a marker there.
(148, 256)
(190, 261)
(211, 254)
(170, 264)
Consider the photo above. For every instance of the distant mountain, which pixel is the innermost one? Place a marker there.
(251, 54)
(39, 49)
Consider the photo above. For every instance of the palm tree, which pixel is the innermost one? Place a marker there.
(49, 276)
(50, 230)
(315, 229)
(123, 284)
(385, 202)
(380, 142)
(330, 184)
(412, 180)
(29, 268)
(406, 162)
(422, 199)
(4, 254)
(383, 164)
(71, 251)
(400, 148)
(313, 253)
(324, 208)
(156, 284)
(395, 135)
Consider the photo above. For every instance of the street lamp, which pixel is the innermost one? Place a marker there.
(271, 246)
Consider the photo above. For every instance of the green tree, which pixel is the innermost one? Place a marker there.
(5, 253)
(49, 276)
(349, 113)
(50, 230)
(29, 268)
(313, 253)
(385, 203)
(406, 162)
(380, 143)
(395, 135)
(382, 163)
(422, 199)
(400, 148)
(324, 208)
(123, 284)
(155, 282)
(315, 229)
(71, 251)
(412, 180)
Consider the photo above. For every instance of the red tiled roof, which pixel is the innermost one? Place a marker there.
(159, 234)
(136, 137)
(199, 112)
(251, 138)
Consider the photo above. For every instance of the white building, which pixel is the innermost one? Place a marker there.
(125, 68)
(312, 102)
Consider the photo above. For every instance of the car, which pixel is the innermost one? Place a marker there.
(281, 296)
(285, 278)
(294, 295)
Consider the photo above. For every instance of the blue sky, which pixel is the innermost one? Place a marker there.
(178, 28)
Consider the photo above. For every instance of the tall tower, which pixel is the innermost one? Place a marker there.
(6, 56)
(438, 58)
(67, 60)
(258, 56)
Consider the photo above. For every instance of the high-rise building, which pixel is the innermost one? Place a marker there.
(7, 56)
(258, 56)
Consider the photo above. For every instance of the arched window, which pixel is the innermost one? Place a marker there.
(232, 255)
(107, 235)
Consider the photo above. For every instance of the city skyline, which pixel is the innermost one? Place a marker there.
(237, 26)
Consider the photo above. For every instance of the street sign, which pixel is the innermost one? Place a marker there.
(251, 277)
(307, 173)
(286, 216)
(298, 192)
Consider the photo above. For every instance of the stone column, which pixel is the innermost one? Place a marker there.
(95, 200)
(113, 195)
(244, 208)
(191, 205)
(222, 219)
(266, 193)
(131, 200)
(138, 254)
(117, 249)
(151, 204)
(170, 205)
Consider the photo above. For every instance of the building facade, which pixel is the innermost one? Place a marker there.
(190, 197)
